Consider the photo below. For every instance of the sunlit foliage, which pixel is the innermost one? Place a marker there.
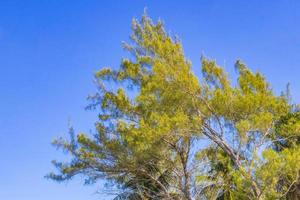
(164, 133)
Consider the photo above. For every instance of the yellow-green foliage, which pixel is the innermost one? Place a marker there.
(164, 133)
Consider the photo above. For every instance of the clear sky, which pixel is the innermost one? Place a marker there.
(49, 50)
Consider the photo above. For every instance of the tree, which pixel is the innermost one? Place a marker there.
(164, 133)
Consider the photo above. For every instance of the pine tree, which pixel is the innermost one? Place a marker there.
(164, 133)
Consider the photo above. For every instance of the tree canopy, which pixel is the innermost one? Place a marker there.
(164, 133)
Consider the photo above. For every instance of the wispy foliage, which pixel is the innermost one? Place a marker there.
(150, 129)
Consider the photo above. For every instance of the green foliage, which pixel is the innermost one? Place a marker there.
(164, 133)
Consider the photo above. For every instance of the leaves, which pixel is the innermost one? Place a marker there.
(164, 133)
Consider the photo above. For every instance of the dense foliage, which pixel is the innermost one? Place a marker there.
(164, 133)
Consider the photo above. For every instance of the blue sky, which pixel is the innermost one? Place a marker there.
(49, 51)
